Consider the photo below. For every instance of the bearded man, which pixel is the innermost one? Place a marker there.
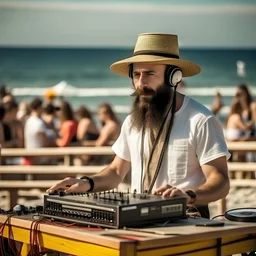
(172, 144)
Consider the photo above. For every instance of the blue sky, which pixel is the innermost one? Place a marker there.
(198, 23)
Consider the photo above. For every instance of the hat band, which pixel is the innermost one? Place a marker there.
(156, 54)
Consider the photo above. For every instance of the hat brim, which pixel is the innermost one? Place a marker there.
(122, 67)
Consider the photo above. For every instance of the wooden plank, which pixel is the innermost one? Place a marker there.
(16, 184)
(249, 146)
(243, 183)
(63, 244)
(241, 166)
(67, 151)
(50, 169)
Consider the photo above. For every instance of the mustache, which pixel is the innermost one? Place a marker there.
(143, 91)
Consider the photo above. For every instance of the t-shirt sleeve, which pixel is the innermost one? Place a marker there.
(120, 147)
(40, 126)
(210, 141)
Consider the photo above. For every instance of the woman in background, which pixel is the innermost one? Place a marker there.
(110, 125)
(109, 133)
(87, 129)
(68, 126)
(248, 106)
(236, 127)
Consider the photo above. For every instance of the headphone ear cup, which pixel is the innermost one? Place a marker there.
(173, 76)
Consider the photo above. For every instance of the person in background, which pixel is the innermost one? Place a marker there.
(68, 126)
(49, 96)
(14, 129)
(23, 112)
(217, 104)
(2, 113)
(36, 133)
(50, 118)
(108, 134)
(3, 91)
(248, 113)
(110, 125)
(5, 96)
(235, 127)
(87, 129)
(248, 116)
(173, 145)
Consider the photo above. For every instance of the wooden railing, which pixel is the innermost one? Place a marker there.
(27, 176)
(241, 170)
(242, 146)
(67, 153)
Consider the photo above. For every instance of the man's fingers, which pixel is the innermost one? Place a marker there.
(172, 192)
(63, 184)
(161, 189)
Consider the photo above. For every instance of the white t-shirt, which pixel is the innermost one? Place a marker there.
(196, 138)
(33, 126)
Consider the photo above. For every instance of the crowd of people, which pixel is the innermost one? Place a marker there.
(43, 123)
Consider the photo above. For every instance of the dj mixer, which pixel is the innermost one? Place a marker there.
(113, 209)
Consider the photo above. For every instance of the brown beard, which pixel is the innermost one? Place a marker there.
(150, 110)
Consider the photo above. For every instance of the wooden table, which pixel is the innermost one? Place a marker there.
(181, 237)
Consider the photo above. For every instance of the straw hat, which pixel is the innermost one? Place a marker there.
(156, 48)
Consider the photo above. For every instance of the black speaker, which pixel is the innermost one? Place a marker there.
(241, 214)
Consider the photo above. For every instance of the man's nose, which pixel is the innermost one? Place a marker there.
(142, 82)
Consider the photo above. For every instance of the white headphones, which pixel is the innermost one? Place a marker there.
(173, 76)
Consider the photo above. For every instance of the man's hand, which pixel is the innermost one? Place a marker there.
(70, 185)
(168, 190)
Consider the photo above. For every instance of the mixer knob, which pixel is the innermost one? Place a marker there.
(61, 193)
(55, 192)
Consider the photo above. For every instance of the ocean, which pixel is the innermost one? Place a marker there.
(83, 76)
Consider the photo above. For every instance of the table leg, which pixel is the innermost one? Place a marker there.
(25, 249)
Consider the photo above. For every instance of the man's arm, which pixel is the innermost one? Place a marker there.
(107, 179)
(215, 187)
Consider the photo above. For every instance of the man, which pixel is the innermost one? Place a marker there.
(172, 144)
(36, 133)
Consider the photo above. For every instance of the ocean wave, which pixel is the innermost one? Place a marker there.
(71, 91)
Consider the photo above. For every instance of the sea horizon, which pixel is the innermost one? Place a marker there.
(29, 71)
